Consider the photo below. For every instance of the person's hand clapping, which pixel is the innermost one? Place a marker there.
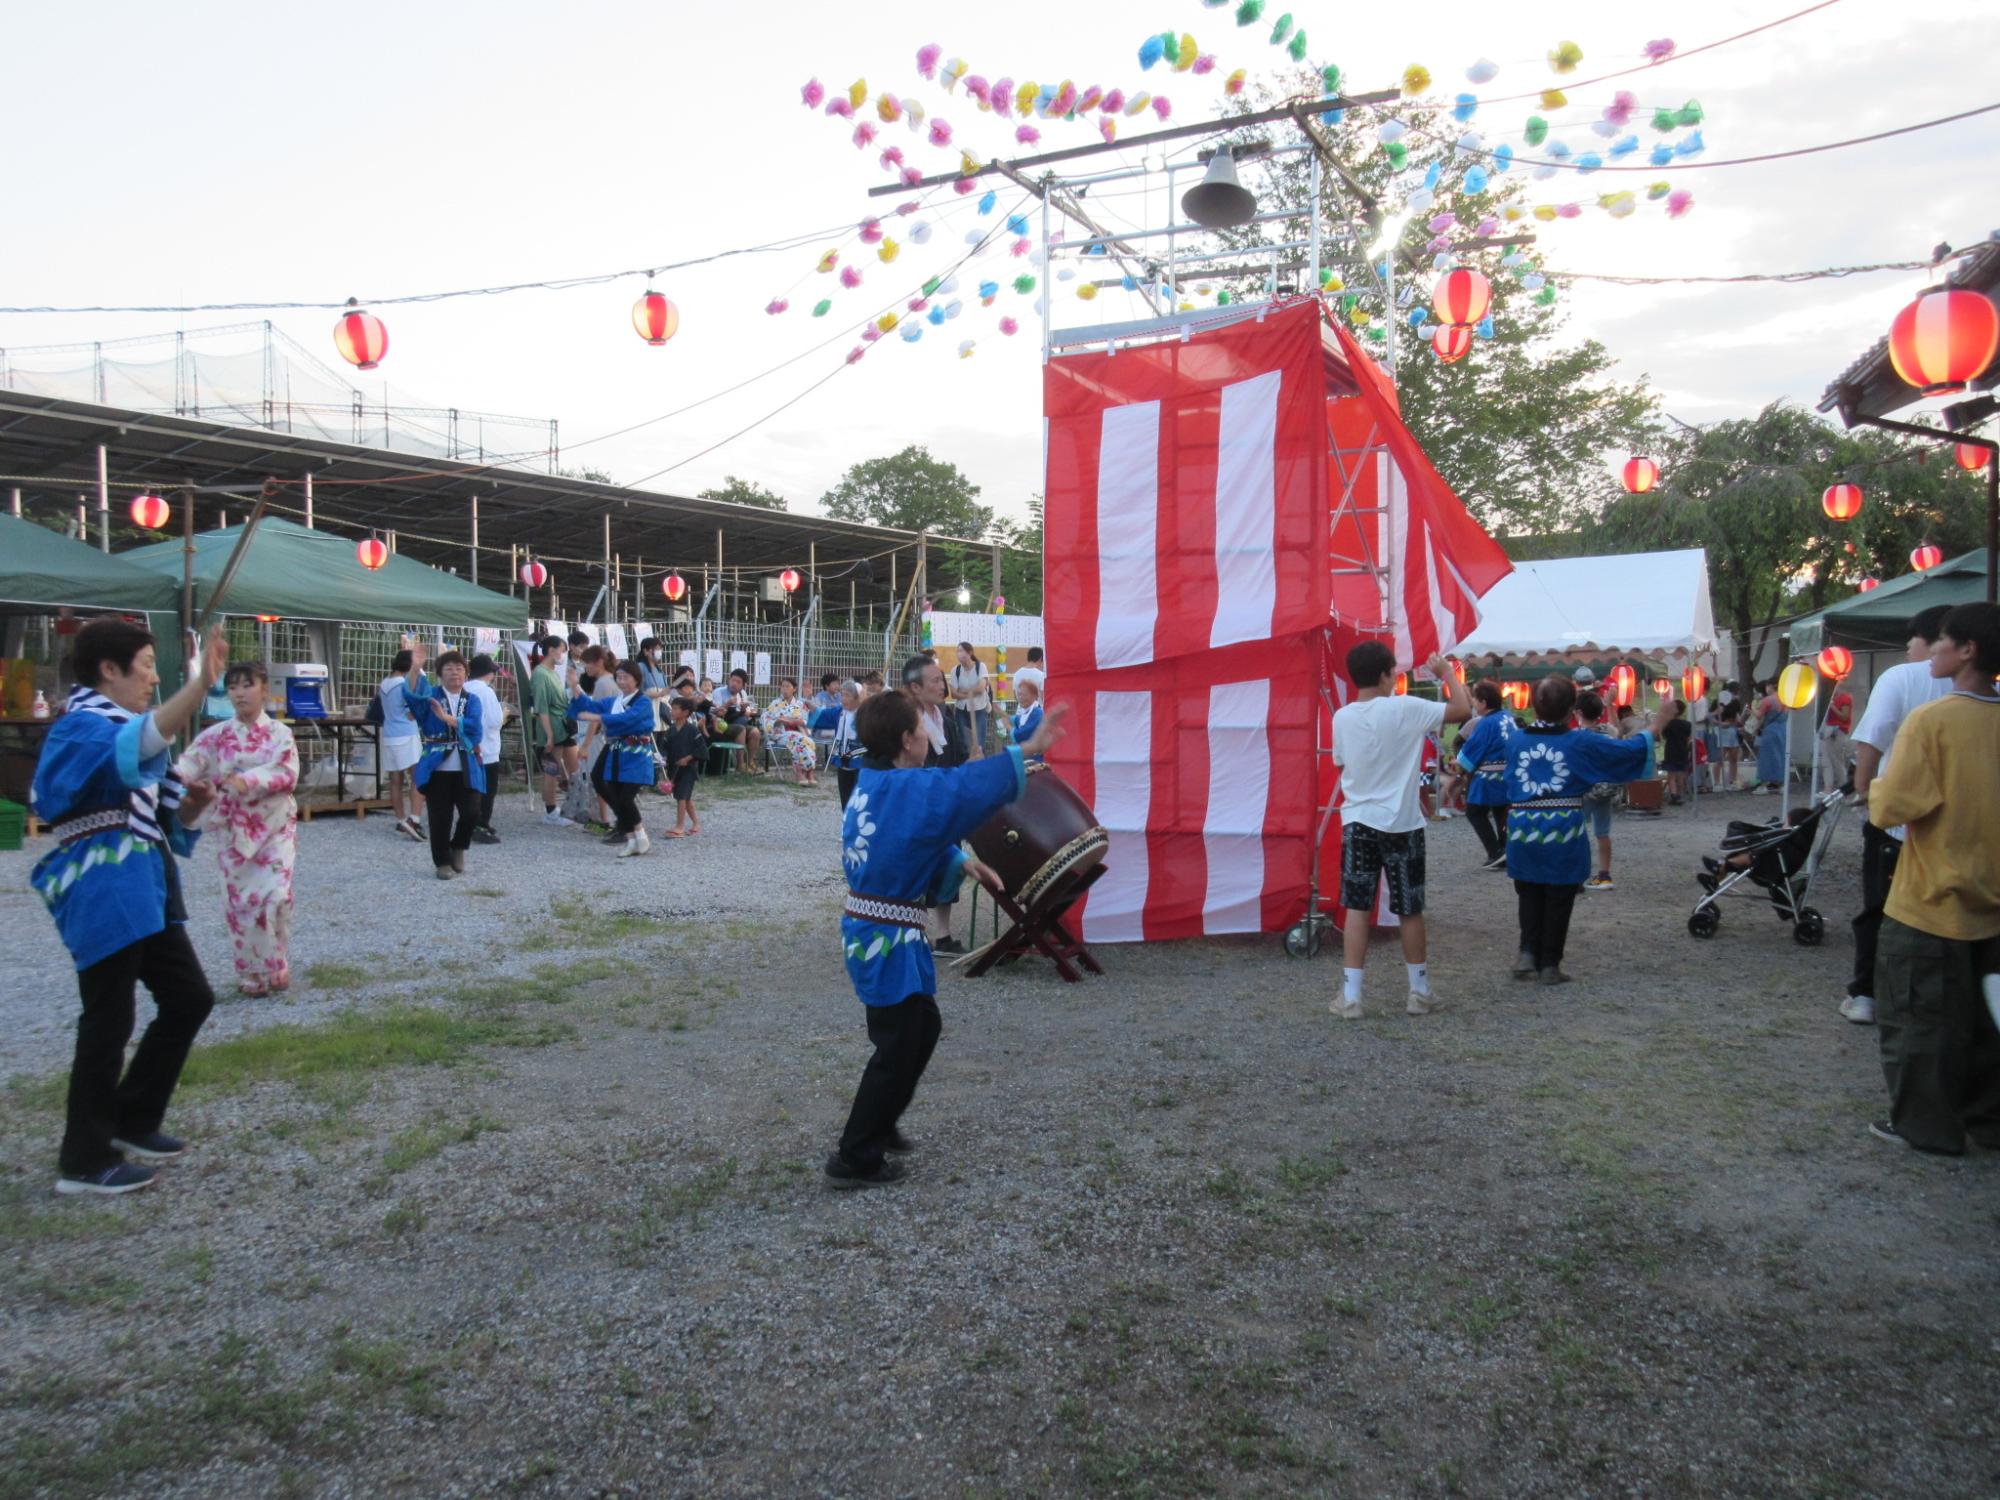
(1439, 666)
(1048, 732)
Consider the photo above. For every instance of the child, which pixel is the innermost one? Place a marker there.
(1549, 768)
(492, 718)
(899, 843)
(1482, 754)
(1597, 802)
(254, 767)
(845, 755)
(1027, 712)
(687, 748)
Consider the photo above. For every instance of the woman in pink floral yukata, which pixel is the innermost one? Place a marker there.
(253, 823)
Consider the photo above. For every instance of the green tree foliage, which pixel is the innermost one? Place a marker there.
(736, 491)
(913, 491)
(952, 563)
(1520, 426)
(1749, 492)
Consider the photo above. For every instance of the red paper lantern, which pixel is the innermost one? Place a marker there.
(1836, 662)
(1452, 344)
(1402, 684)
(1461, 298)
(534, 575)
(1868, 584)
(1663, 687)
(1694, 682)
(1515, 695)
(150, 511)
(789, 579)
(360, 337)
(1640, 475)
(1841, 501)
(674, 587)
(655, 318)
(269, 619)
(1944, 339)
(1970, 456)
(1926, 557)
(1622, 682)
(372, 554)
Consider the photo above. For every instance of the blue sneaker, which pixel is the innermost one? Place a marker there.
(123, 1178)
(154, 1145)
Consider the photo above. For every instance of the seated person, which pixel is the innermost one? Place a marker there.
(1027, 713)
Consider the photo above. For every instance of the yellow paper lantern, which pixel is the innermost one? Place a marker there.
(1798, 685)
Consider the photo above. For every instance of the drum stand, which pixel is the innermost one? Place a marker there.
(1040, 927)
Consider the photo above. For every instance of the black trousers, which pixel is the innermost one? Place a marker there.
(1545, 913)
(1879, 854)
(622, 797)
(102, 1104)
(905, 1035)
(486, 797)
(1490, 823)
(454, 808)
(846, 779)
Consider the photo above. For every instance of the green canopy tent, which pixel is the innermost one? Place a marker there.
(45, 570)
(302, 574)
(1878, 619)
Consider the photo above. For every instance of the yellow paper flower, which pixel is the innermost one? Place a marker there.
(1087, 292)
(886, 322)
(1137, 102)
(1188, 53)
(887, 251)
(1565, 57)
(1025, 97)
(1416, 80)
(1554, 98)
(857, 92)
(1546, 212)
(968, 164)
(829, 260)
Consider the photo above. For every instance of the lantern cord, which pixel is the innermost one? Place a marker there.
(1741, 161)
(1826, 273)
(559, 284)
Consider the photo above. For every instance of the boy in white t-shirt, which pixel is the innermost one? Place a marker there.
(1378, 744)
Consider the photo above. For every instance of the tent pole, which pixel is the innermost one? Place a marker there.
(475, 540)
(309, 500)
(187, 569)
(14, 501)
(103, 499)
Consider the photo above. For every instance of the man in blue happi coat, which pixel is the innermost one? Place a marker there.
(119, 815)
(900, 845)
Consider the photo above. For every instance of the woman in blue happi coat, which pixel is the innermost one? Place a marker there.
(451, 725)
(1483, 753)
(1549, 768)
(900, 845)
(119, 815)
(626, 718)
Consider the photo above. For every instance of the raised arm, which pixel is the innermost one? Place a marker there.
(1457, 702)
(174, 715)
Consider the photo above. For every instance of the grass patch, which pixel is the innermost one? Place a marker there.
(354, 1044)
(27, 1219)
(429, 1137)
(666, 1208)
(1300, 1175)
(337, 976)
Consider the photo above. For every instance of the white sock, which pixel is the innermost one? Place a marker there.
(1420, 978)
(1350, 986)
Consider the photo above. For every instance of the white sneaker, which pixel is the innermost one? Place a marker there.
(1423, 1005)
(1345, 1011)
(636, 845)
(1860, 1009)
(557, 820)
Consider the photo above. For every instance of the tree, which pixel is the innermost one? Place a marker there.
(736, 491)
(592, 476)
(912, 491)
(1749, 492)
(1520, 426)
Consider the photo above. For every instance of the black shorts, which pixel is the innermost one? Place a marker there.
(1368, 855)
(684, 780)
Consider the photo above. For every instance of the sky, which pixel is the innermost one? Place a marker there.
(210, 152)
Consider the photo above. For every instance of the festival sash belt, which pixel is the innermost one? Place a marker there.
(83, 825)
(1547, 804)
(887, 913)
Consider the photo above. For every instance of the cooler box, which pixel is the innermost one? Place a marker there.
(304, 685)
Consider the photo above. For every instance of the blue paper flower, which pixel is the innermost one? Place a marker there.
(1466, 107)
(1433, 174)
(1625, 145)
(935, 316)
(1503, 158)
(1332, 116)
(1017, 223)
(987, 202)
(1151, 51)
(1484, 327)
(1590, 161)
(1692, 145)
(1475, 179)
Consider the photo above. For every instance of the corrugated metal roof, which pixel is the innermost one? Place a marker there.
(1870, 387)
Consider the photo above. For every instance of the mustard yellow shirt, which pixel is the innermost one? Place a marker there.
(1943, 784)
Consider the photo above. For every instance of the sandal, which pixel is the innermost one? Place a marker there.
(250, 991)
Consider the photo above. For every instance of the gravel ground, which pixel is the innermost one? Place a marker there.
(558, 1231)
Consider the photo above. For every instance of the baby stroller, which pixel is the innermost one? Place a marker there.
(1778, 859)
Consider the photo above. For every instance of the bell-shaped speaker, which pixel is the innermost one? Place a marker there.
(1219, 200)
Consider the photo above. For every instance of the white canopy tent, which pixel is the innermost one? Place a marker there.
(1652, 604)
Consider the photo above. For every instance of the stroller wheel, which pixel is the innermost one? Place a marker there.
(1705, 922)
(1302, 939)
(1810, 929)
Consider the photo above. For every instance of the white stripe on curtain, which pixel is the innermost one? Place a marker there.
(1239, 790)
(1246, 572)
(1115, 911)
(1128, 510)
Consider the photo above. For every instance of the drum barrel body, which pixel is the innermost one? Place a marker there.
(1043, 842)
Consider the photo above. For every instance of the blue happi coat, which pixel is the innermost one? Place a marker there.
(112, 888)
(1025, 727)
(899, 841)
(1483, 752)
(1549, 768)
(628, 735)
(440, 739)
